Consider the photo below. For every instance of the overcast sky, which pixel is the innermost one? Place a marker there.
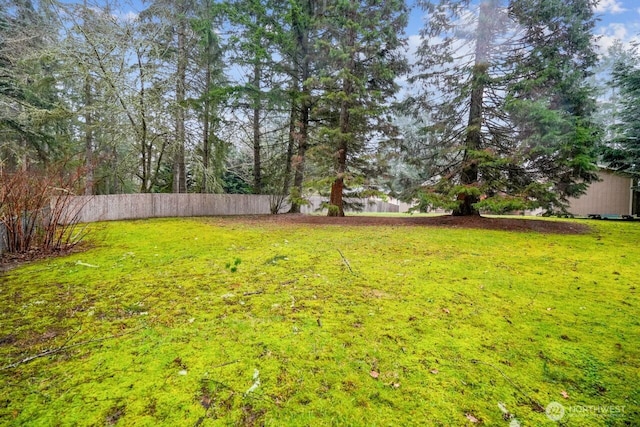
(619, 19)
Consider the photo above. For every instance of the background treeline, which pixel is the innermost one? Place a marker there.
(497, 109)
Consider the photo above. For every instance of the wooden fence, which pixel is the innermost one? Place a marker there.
(139, 206)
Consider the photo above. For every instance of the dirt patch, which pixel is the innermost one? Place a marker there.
(477, 222)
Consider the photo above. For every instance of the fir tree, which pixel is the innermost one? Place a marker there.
(508, 108)
(361, 44)
(623, 150)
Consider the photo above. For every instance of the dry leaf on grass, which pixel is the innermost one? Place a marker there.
(471, 418)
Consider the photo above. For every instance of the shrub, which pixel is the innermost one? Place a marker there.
(38, 210)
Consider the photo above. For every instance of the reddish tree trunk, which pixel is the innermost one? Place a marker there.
(336, 207)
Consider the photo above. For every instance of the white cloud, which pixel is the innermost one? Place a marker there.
(610, 6)
(609, 34)
(617, 30)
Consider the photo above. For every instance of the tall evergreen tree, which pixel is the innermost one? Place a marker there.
(461, 74)
(251, 43)
(552, 104)
(179, 42)
(212, 88)
(33, 117)
(301, 49)
(509, 123)
(622, 152)
(361, 43)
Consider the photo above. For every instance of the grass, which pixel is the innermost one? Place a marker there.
(215, 322)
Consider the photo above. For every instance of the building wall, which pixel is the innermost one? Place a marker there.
(610, 196)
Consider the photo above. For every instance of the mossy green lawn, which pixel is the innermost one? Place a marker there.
(217, 322)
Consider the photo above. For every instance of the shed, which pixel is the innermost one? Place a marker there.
(614, 194)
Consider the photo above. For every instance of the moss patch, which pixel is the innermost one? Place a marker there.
(207, 321)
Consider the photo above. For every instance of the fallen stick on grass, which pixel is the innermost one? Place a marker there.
(61, 349)
(346, 262)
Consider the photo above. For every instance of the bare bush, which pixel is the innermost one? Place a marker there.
(38, 210)
(277, 203)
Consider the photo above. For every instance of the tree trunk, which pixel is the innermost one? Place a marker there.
(302, 38)
(146, 158)
(257, 162)
(473, 139)
(336, 203)
(88, 135)
(88, 122)
(286, 181)
(336, 207)
(206, 144)
(179, 172)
